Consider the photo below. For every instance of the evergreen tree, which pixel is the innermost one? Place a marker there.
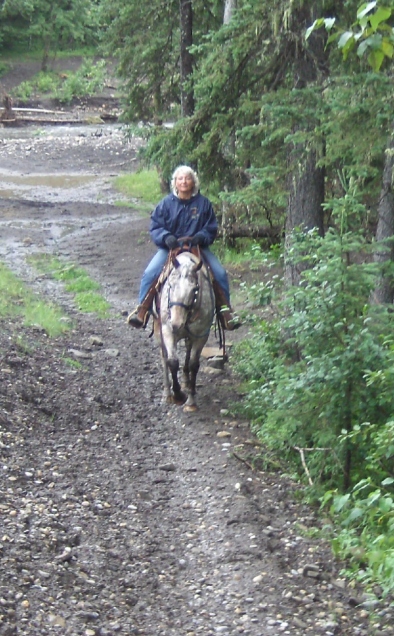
(372, 37)
(146, 39)
(186, 58)
(50, 25)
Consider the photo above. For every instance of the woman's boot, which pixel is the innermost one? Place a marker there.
(223, 310)
(140, 316)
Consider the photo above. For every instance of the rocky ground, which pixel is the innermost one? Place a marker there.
(120, 514)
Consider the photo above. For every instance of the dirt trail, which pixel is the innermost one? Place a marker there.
(121, 515)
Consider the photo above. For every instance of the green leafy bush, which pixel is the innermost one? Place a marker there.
(308, 371)
(47, 82)
(89, 79)
(24, 91)
(365, 516)
(4, 68)
(44, 83)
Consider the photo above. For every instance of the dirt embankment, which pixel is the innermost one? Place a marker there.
(121, 515)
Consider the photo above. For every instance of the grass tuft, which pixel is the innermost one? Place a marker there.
(76, 281)
(143, 185)
(18, 302)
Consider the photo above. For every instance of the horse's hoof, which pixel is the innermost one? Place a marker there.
(190, 409)
(179, 399)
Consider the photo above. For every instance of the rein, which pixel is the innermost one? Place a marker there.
(187, 307)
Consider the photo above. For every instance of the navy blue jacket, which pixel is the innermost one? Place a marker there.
(183, 218)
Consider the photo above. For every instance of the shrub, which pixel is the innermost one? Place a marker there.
(365, 516)
(89, 79)
(308, 371)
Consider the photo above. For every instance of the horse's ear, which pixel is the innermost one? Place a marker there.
(174, 259)
(199, 265)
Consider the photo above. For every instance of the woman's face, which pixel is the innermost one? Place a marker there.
(184, 185)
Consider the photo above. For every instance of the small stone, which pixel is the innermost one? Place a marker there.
(80, 354)
(167, 467)
(312, 571)
(299, 623)
(223, 434)
(54, 619)
(216, 363)
(112, 353)
(96, 341)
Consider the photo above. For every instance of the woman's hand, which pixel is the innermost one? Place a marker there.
(171, 242)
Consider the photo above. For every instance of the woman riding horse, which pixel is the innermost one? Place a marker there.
(183, 213)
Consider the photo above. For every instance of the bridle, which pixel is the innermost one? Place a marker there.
(189, 308)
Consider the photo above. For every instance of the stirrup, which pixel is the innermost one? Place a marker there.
(135, 321)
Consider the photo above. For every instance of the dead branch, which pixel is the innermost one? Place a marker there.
(241, 459)
(301, 452)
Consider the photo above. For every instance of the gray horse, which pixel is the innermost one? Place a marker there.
(187, 307)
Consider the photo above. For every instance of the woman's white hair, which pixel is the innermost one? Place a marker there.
(183, 170)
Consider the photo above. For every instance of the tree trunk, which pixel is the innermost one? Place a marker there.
(306, 181)
(384, 290)
(229, 8)
(304, 209)
(186, 59)
(228, 217)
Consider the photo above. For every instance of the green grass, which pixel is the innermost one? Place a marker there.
(76, 281)
(19, 303)
(74, 364)
(90, 302)
(143, 185)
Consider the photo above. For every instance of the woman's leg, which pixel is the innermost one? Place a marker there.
(152, 272)
(218, 271)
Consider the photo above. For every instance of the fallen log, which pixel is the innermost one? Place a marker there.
(35, 110)
(21, 121)
(252, 231)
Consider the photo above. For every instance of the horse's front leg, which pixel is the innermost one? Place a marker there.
(193, 364)
(167, 394)
(179, 397)
(172, 367)
(186, 366)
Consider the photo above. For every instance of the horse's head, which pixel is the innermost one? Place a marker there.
(183, 288)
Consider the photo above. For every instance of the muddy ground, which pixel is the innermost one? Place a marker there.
(120, 514)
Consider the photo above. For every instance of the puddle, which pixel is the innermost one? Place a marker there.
(49, 180)
(19, 180)
(60, 188)
(15, 185)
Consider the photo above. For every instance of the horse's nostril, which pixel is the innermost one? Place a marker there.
(176, 325)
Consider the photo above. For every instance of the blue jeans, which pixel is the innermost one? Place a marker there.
(157, 263)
